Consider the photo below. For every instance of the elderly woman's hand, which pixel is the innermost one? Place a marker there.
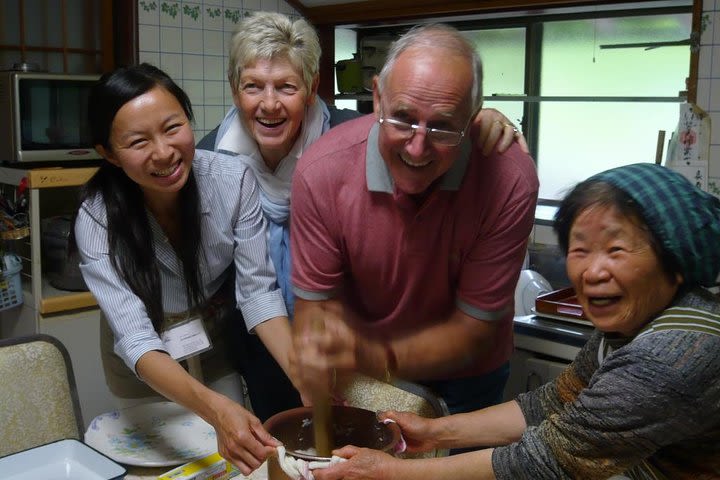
(362, 464)
(490, 128)
(241, 438)
(417, 431)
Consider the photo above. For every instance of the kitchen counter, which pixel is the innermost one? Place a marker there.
(550, 337)
(543, 349)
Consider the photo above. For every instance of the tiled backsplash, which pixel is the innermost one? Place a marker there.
(708, 95)
(189, 41)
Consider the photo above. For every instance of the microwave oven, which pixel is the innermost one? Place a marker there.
(44, 117)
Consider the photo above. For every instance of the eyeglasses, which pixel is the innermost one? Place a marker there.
(437, 136)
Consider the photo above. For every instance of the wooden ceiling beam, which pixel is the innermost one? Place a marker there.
(396, 10)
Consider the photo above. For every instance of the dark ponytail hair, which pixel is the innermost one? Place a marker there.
(130, 242)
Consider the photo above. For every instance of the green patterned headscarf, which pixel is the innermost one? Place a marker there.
(684, 219)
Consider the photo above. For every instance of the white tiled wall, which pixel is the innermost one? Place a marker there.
(189, 40)
(708, 93)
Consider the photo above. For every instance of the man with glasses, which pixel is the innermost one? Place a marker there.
(407, 240)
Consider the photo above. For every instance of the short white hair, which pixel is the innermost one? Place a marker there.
(270, 35)
(437, 35)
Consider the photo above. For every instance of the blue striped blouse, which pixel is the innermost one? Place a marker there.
(233, 232)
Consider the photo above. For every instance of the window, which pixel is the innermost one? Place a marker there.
(502, 52)
(603, 90)
(69, 36)
(345, 47)
(591, 87)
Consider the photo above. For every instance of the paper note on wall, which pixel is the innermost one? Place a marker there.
(689, 148)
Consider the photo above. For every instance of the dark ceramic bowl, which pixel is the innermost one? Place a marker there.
(351, 426)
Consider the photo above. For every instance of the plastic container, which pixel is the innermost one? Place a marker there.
(530, 285)
(11, 292)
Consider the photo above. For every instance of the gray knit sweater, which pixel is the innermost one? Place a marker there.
(646, 407)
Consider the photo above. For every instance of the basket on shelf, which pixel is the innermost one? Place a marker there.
(15, 233)
(11, 292)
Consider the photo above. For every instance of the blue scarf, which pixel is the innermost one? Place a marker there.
(275, 185)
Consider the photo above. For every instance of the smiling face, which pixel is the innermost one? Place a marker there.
(151, 139)
(272, 97)
(430, 87)
(617, 275)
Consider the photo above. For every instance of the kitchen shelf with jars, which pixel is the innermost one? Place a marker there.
(354, 77)
(37, 206)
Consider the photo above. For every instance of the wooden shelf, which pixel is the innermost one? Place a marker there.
(59, 177)
(363, 97)
(40, 296)
(53, 300)
(56, 301)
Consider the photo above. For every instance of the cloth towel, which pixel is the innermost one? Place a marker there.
(300, 469)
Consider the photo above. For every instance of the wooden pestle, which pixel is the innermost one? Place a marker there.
(322, 410)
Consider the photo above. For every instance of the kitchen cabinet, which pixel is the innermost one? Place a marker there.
(71, 317)
(528, 371)
(91, 36)
(543, 349)
(79, 331)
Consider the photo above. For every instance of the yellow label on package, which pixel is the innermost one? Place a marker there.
(212, 467)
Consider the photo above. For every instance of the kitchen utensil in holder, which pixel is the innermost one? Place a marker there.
(11, 293)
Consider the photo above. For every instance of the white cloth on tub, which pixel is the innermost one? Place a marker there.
(300, 469)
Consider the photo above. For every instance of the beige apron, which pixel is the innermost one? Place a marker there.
(123, 382)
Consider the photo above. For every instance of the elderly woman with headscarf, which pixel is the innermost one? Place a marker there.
(642, 398)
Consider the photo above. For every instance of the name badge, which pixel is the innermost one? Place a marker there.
(186, 339)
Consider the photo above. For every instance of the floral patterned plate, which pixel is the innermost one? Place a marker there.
(152, 435)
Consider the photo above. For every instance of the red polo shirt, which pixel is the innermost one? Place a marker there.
(400, 266)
